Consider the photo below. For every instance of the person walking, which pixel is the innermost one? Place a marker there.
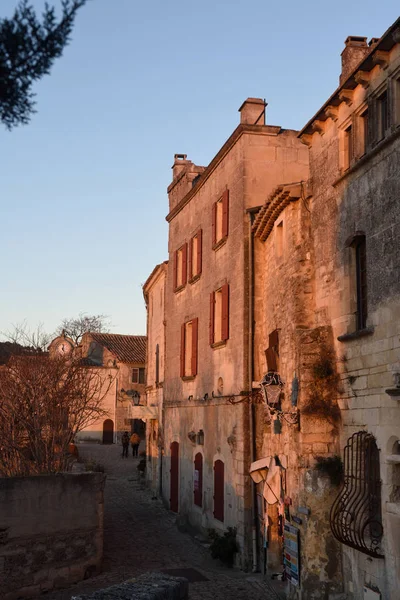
(125, 444)
(135, 441)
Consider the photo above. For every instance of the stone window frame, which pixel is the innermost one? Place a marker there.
(139, 375)
(189, 351)
(195, 276)
(346, 144)
(180, 267)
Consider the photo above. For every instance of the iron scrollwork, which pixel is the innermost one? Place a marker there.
(355, 516)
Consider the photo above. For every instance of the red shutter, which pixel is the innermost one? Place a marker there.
(219, 486)
(198, 479)
(191, 259)
(184, 264)
(214, 223)
(183, 350)
(195, 329)
(199, 251)
(212, 311)
(225, 312)
(225, 213)
(174, 477)
(175, 269)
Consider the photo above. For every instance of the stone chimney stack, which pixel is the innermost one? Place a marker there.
(180, 163)
(252, 111)
(356, 48)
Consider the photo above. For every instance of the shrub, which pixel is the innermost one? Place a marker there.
(224, 546)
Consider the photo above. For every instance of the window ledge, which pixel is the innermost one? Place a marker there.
(355, 335)
(179, 288)
(220, 243)
(188, 377)
(195, 278)
(393, 391)
(368, 155)
(220, 344)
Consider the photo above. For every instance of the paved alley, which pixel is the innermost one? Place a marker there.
(140, 535)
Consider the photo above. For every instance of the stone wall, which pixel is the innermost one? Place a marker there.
(51, 532)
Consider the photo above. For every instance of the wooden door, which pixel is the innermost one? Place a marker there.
(219, 488)
(174, 477)
(108, 431)
(198, 479)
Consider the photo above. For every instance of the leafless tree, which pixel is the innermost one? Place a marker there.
(76, 327)
(29, 339)
(44, 402)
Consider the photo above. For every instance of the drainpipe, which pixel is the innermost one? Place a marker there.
(254, 508)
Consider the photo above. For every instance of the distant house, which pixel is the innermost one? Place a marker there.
(122, 360)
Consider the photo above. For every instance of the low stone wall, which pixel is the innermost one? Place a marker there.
(51, 531)
(151, 586)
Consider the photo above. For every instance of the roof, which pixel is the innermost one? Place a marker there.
(275, 204)
(385, 44)
(126, 348)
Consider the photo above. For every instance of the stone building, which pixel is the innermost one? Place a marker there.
(282, 339)
(207, 419)
(121, 360)
(152, 413)
(327, 315)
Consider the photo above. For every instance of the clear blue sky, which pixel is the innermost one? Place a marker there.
(83, 186)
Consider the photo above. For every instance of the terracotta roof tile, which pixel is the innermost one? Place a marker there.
(126, 348)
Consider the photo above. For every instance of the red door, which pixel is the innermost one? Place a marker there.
(174, 477)
(108, 432)
(219, 486)
(198, 479)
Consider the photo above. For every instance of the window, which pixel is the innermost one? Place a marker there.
(138, 375)
(220, 219)
(279, 239)
(364, 132)
(189, 338)
(361, 281)
(198, 480)
(219, 489)
(272, 352)
(348, 147)
(397, 99)
(219, 315)
(157, 364)
(383, 115)
(180, 267)
(195, 255)
(355, 518)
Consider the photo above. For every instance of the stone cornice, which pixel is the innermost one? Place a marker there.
(275, 204)
(266, 130)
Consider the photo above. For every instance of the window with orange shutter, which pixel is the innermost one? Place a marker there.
(220, 220)
(189, 343)
(219, 315)
(195, 256)
(180, 267)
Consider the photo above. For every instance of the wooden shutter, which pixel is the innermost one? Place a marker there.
(199, 251)
(174, 478)
(184, 263)
(219, 487)
(212, 315)
(225, 312)
(214, 224)
(135, 375)
(198, 479)
(225, 213)
(272, 351)
(175, 269)
(195, 329)
(191, 259)
(183, 350)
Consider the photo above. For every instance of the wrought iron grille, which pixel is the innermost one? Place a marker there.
(355, 516)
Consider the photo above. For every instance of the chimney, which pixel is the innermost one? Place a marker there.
(179, 165)
(356, 48)
(252, 111)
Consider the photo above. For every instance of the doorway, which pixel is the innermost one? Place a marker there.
(108, 431)
(174, 477)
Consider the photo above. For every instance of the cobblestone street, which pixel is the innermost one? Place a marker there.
(140, 535)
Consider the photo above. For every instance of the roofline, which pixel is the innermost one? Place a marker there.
(241, 129)
(350, 78)
(120, 334)
(161, 267)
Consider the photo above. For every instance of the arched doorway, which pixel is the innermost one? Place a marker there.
(108, 431)
(219, 488)
(174, 477)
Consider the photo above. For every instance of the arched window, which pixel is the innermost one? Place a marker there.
(219, 490)
(356, 513)
(198, 480)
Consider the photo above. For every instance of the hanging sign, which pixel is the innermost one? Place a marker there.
(291, 553)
